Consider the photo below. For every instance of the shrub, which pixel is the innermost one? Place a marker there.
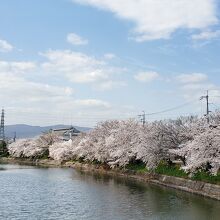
(137, 166)
(170, 170)
(3, 149)
(206, 177)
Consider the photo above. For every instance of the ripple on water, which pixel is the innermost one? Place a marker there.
(52, 193)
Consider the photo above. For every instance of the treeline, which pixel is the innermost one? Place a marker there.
(120, 143)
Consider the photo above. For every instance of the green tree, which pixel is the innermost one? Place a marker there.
(3, 149)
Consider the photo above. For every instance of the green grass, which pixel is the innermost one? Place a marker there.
(139, 167)
(206, 177)
(165, 169)
(170, 170)
(174, 170)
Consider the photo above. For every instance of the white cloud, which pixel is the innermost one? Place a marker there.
(28, 101)
(192, 78)
(79, 68)
(147, 77)
(17, 85)
(16, 67)
(193, 86)
(32, 94)
(193, 91)
(5, 46)
(75, 39)
(109, 85)
(92, 103)
(19, 90)
(158, 19)
(41, 93)
(206, 35)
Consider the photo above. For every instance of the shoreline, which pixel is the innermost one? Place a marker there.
(191, 186)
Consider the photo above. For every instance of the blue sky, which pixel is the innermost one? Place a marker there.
(82, 61)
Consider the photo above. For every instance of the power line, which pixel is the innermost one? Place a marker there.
(216, 106)
(170, 109)
(215, 96)
(143, 116)
(95, 118)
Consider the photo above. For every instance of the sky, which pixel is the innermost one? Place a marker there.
(84, 61)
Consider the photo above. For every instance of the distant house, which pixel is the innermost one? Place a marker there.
(66, 133)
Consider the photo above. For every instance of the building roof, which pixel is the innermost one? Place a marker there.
(70, 129)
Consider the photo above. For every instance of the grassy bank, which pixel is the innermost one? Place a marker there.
(174, 170)
(205, 177)
(170, 170)
(165, 176)
(136, 167)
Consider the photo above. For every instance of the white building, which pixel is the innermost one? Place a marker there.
(66, 133)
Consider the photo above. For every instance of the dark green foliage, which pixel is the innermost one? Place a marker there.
(96, 162)
(137, 166)
(44, 155)
(170, 170)
(3, 149)
(174, 170)
(206, 177)
(81, 160)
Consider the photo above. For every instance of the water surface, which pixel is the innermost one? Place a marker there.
(57, 193)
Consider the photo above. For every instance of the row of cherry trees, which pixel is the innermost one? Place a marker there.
(33, 148)
(117, 143)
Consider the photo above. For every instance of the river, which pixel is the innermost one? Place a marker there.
(28, 192)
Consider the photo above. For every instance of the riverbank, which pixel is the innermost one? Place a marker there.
(191, 186)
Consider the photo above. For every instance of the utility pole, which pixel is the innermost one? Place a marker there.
(143, 118)
(207, 104)
(15, 136)
(2, 126)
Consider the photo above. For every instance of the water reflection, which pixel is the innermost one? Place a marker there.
(37, 193)
(150, 199)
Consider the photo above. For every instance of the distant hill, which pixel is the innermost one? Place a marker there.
(29, 131)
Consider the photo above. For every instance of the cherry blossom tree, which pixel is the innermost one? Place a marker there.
(32, 148)
(120, 142)
(26, 148)
(203, 152)
(117, 143)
